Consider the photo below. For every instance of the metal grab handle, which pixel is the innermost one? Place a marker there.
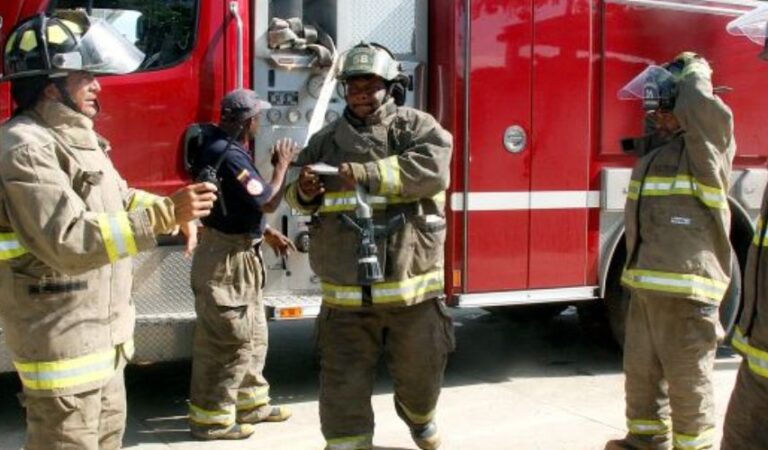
(234, 10)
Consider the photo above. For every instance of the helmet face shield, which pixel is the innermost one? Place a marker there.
(751, 25)
(102, 50)
(655, 86)
(67, 42)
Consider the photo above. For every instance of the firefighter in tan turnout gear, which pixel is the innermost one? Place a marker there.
(228, 390)
(746, 420)
(68, 228)
(678, 258)
(377, 239)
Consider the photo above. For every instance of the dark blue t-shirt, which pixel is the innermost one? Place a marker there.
(242, 188)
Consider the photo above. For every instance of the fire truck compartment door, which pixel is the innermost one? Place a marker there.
(529, 199)
(499, 180)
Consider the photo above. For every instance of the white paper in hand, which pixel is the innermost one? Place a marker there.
(322, 168)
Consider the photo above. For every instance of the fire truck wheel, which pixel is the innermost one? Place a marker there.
(730, 308)
(617, 308)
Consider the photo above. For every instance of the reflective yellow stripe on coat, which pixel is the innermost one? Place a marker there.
(117, 235)
(10, 247)
(756, 359)
(350, 443)
(345, 201)
(756, 239)
(387, 292)
(73, 372)
(389, 172)
(674, 283)
(713, 197)
(142, 199)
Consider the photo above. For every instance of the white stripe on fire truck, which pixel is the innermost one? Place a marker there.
(526, 200)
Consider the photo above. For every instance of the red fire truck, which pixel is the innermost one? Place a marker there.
(528, 89)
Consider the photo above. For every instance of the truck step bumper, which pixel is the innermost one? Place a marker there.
(531, 297)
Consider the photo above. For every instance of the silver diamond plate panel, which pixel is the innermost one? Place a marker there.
(165, 311)
(391, 23)
(161, 282)
(164, 341)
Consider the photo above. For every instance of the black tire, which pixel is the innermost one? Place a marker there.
(617, 301)
(730, 307)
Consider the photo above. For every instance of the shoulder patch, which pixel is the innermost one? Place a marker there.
(254, 187)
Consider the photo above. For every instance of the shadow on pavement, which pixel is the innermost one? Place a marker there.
(491, 348)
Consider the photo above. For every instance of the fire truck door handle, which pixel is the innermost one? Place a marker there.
(515, 139)
(234, 10)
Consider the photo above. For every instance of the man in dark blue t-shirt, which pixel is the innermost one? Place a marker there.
(228, 390)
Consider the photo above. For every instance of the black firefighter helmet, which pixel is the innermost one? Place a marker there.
(67, 41)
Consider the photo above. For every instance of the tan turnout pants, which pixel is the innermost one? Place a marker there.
(669, 355)
(746, 422)
(230, 342)
(91, 420)
(415, 341)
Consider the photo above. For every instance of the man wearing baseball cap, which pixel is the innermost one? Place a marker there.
(228, 390)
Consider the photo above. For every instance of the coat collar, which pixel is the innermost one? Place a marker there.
(384, 116)
(73, 128)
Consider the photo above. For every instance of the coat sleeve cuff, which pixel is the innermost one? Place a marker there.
(162, 216)
(384, 176)
(294, 197)
(143, 232)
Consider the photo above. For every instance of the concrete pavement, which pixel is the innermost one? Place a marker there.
(512, 384)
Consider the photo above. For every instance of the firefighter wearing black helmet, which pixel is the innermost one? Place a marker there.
(678, 257)
(746, 420)
(400, 158)
(69, 226)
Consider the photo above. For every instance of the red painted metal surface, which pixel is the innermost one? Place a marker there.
(561, 140)
(445, 102)
(500, 96)
(635, 37)
(552, 67)
(145, 114)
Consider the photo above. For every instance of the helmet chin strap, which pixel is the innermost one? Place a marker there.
(66, 99)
